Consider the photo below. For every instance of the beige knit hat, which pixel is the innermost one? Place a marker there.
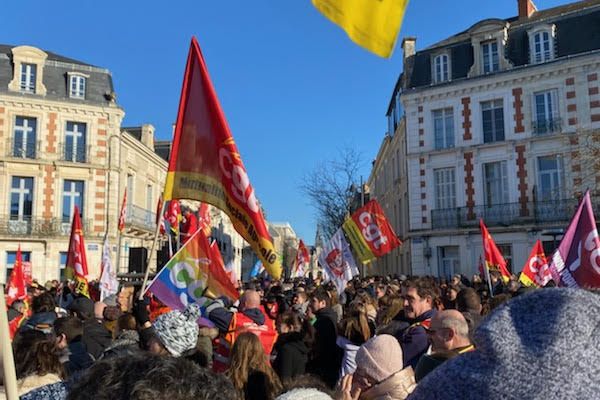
(380, 357)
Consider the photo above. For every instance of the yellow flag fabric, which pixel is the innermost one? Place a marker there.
(372, 24)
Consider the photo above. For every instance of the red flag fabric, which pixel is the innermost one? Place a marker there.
(123, 213)
(206, 165)
(218, 277)
(189, 226)
(173, 215)
(159, 215)
(536, 271)
(76, 267)
(493, 257)
(302, 259)
(16, 286)
(370, 233)
(204, 219)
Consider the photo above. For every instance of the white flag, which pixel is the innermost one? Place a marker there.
(108, 281)
(337, 261)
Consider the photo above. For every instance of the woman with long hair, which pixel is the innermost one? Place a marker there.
(249, 370)
(353, 331)
(293, 345)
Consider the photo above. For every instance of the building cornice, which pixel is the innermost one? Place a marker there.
(39, 104)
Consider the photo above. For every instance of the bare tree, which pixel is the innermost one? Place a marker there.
(330, 187)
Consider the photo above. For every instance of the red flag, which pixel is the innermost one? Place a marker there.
(123, 213)
(205, 164)
(370, 233)
(536, 271)
(493, 258)
(576, 262)
(218, 276)
(16, 282)
(173, 215)
(204, 216)
(159, 215)
(76, 267)
(302, 259)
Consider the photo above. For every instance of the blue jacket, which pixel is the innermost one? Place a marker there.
(413, 340)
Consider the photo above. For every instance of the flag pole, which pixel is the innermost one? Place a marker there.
(486, 272)
(156, 233)
(8, 363)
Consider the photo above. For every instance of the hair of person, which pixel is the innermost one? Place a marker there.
(322, 295)
(71, 327)
(126, 322)
(302, 296)
(355, 326)
(333, 296)
(36, 354)
(459, 325)
(247, 357)
(425, 287)
(307, 381)
(498, 300)
(468, 300)
(149, 377)
(43, 303)
(395, 305)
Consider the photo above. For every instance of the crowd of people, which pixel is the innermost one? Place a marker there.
(380, 338)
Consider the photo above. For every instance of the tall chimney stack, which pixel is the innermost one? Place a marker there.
(408, 47)
(526, 8)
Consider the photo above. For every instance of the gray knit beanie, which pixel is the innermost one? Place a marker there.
(178, 330)
(540, 345)
(304, 394)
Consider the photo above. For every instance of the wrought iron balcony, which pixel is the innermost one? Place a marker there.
(509, 214)
(78, 154)
(545, 126)
(18, 149)
(38, 227)
(140, 218)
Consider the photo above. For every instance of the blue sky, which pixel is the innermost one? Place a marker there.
(293, 87)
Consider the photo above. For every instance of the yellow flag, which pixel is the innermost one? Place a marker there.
(372, 24)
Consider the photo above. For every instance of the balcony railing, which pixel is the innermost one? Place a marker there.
(541, 212)
(545, 126)
(28, 150)
(80, 154)
(140, 218)
(38, 227)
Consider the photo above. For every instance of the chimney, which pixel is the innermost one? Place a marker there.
(148, 135)
(408, 51)
(526, 8)
(408, 47)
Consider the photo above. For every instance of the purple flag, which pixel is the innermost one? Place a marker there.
(576, 262)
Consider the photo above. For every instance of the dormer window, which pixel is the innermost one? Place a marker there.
(77, 84)
(491, 61)
(28, 77)
(541, 44)
(441, 68)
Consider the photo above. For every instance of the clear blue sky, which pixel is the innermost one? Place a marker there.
(293, 87)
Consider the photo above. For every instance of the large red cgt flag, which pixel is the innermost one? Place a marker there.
(205, 164)
(493, 257)
(536, 271)
(370, 233)
(76, 267)
(16, 281)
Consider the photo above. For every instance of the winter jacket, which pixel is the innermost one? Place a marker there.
(396, 387)
(348, 362)
(79, 358)
(127, 343)
(413, 340)
(43, 321)
(31, 382)
(95, 337)
(326, 355)
(291, 355)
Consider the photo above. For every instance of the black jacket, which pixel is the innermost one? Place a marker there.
(79, 358)
(291, 355)
(95, 337)
(326, 355)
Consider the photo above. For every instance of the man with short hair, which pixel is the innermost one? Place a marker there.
(95, 336)
(419, 295)
(69, 333)
(468, 303)
(449, 337)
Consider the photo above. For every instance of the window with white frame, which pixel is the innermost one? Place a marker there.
(507, 254)
(77, 85)
(445, 188)
(550, 179)
(75, 142)
(491, 60)
(449, 261)
(441, 68)
(21, 198)
(72, 196)
(495, 180)
(28, 77)
(542, 46)
(546, 112)
(62, 265)
(443, 128)
(492, 115)
(24, 139)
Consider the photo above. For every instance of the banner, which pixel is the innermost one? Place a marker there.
(173, 216)
(370, 233)
(536, 271)
(205, 164)
(301, 261)
(337, 261)
(371, 24)
(109, 284)
(576, 261)
(123, 213)
(493, 257)
(16, 286)
(76, 267)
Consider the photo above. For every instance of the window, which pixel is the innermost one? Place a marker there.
(24, 145)
(448, 261)
(11, 258)
(443, 127)
(21, 198)
(62, 264)
(506, 250)
(77, 86)
(441, 68)
(492, 115)
(445, 188)
(72, 196)
(75, 142)
(546, 112)
(28, 76)
(550, 178)
(495, 179)
(491, 61)
(542, 47)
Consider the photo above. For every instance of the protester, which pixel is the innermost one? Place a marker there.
(127, 342)
(43, 314)
(539, 345)
(69, 334)
(249, 370)
(300, 302)
(16, 316)
(174, 333)
(305, 387)
(189, 225)
(468, 303)
(292, 347)
(353, 331)
(95, 336)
